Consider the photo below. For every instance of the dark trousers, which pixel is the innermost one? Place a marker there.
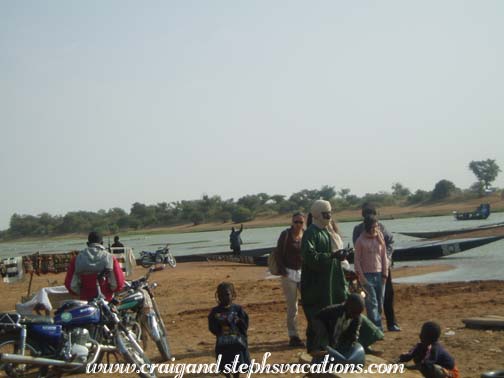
(388, 302)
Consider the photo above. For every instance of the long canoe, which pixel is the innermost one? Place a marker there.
(246, 256)
(438, 234)
(424, 251)
(435, 250)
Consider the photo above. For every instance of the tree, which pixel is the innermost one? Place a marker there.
(478, 188)
(327, 192)
(241, 214)
(419, 196)
(304, 199)
(400, 191)
(485, 170)
(443, 189)
(344, 192)
(253, 202)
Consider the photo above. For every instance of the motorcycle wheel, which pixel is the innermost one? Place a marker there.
(170, 259)
(9, 344)
(162, 344)
(146, 262)
(132, 353)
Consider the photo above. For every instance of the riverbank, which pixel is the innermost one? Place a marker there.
(186, 294)
(351, 215)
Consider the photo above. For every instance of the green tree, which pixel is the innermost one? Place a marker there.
(304, 199)
(419, 196)
(400, 191)
(253, 202)
(241, 214)
(478, 188)
(443, 189)
(344, 192)
(196, 218)
(485, 170)
(327, 192)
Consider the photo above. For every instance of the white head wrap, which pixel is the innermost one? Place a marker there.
(319, 207)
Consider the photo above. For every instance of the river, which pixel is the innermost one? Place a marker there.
(481, 263)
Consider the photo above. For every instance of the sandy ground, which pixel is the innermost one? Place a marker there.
(186, 294)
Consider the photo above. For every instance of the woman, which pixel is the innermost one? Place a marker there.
(289, 266)
(371, 265)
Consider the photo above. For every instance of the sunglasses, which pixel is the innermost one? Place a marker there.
(298, 222)
(326, 214)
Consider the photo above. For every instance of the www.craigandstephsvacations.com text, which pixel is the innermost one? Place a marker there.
(180, 369)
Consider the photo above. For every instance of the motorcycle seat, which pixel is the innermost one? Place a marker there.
(37, 319)
(71, 303)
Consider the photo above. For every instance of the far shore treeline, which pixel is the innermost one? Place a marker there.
(246, 208)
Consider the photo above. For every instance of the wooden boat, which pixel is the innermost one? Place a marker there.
(435, 250)
(246, 256)
(482, 212)
(490, 321)
(424, 251)
(438, 234)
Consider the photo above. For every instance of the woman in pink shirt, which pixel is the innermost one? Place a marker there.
(371, 265)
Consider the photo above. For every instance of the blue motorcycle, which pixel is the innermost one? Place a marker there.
(80, 334)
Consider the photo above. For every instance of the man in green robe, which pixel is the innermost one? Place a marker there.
(323, 281)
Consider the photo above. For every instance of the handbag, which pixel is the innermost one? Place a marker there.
(272, 258)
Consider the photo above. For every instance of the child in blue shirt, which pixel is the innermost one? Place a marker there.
(430, 357)
(229, 323)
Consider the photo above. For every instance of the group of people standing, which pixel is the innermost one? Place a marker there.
(312, 260)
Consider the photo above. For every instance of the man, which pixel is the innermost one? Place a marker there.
(117, 244)
(337, 328)
(235, 240)
(83, 269)
(388, 302)
(322, 279)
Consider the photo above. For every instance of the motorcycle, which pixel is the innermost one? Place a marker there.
(160, 256)
(139, 312)
(79, 334)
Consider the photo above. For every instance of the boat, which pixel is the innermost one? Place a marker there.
(482, 212)
(485, 322)
(423, 251)
(246, 256)
(435, 250)
(441, 233)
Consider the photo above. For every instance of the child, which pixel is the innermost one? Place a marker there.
(229, 322)
(429, 356)
(337, 328)
(371, 265)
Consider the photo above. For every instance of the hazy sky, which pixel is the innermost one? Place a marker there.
(105, 103)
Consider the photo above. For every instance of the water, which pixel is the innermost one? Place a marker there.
(480, 263)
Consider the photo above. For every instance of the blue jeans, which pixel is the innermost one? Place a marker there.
(374, 297)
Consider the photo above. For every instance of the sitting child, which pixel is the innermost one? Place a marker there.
(429, 356)
(229, 323)
(337, 330)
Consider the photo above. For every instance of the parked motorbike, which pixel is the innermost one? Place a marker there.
(139, 312)
(160, 256)
(80, 333)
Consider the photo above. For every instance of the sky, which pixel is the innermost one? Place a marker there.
(107, 103)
